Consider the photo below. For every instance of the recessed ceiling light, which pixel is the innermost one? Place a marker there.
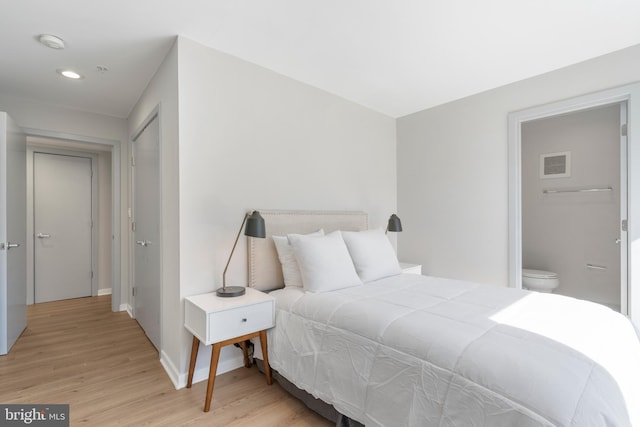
(49, 40)
(70, 74)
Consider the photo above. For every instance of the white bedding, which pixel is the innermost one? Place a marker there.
(413, 350)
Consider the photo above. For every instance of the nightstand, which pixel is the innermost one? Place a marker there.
(225, 321)
(411, 268)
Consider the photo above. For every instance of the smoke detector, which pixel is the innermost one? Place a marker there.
(49, 40)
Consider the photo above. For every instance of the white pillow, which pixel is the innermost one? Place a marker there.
(290, 269)
(325, 264)
(372, 254)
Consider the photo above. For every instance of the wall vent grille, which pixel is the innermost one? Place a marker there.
(555, 165)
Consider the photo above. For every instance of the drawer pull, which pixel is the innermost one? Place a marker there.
(244, 319)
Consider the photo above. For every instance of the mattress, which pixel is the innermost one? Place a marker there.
(414, 350)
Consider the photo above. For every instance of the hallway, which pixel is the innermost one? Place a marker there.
(101, 363)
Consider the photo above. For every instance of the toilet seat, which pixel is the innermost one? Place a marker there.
(538, 274)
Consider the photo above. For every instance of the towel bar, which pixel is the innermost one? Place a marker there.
(579, 190)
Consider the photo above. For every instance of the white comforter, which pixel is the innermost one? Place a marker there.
(414, 350)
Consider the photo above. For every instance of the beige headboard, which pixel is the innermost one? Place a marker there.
(265, 272)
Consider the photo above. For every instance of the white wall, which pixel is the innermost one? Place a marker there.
(566, 231)
(453, 169)
(251, 138)
(52, 121)
(34, 115)
(161, 94)
(245, 137)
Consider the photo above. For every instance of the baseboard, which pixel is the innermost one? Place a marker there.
(224, 366)
(180, 379)
(127, 308)
(102, 292)
(171, 371)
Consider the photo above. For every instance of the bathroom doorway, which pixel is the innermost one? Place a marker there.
(573, 200)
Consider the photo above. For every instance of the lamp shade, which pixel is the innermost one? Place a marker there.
(255, 226)
(394, 224)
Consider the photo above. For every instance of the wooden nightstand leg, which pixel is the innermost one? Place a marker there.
(215, 355)
(265, 356)
(192, 364)
(245, 351)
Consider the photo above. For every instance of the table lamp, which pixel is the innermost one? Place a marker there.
(255, 228)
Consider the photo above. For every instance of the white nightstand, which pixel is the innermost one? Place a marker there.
(224, 321)
(411, 268)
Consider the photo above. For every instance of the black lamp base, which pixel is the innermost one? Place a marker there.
(231, 291)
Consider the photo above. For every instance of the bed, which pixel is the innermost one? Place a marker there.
(412, 350)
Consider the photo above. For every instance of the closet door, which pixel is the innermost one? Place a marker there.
(146, 195)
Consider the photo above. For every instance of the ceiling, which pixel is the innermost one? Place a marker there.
(395, 56)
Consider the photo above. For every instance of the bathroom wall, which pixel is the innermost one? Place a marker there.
(565, 231)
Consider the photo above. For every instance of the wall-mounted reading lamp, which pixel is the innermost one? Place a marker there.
(394, 224)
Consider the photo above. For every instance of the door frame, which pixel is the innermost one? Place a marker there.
(515, 121)
(32, 149)
(116, 196)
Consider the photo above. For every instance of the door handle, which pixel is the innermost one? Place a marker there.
(143, 242)
(9, 245)
(618, 240)
(43, 236)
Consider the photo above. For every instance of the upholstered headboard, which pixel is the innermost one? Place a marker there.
(265, 272)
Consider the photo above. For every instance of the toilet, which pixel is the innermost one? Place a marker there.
(539, 280)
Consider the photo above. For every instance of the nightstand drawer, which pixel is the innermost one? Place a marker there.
(214, 319)
(243, 320)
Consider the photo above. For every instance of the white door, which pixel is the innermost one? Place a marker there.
(146, 194)
(62, 227)
(13, 231)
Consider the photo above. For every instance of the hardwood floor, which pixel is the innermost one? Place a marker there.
(101, 363)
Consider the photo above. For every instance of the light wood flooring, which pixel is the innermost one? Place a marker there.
(101, 363)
